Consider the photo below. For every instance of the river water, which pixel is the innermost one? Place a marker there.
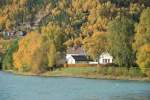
(13, 87)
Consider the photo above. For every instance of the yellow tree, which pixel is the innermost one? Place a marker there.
(3, 20)
(143, 60)
(30, 55)
(52, 55)
(54, 38)
(69, 43)
(96, 44)
(54, 33)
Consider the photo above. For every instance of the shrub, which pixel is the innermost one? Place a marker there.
(25, 68)
(120, 71)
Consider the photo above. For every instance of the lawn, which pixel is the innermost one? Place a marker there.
(100, 72)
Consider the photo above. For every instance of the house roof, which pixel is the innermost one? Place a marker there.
(106, 55)
(75, 50)
(81, 58)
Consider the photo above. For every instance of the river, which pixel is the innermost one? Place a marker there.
(14, 87)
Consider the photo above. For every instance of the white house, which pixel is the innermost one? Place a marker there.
(70, 60)
(105, 58)
(76, 55)
(78, 59)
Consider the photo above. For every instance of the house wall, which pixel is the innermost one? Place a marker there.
(105, 61)
(69, 55)
(105, 58)
(87, 65)
(70, 60)
(81, 62)
(93, 62)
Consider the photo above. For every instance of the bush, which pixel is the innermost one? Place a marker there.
(148, 72)
(25, 68)
(120, 71)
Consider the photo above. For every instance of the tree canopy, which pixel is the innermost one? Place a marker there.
(120, 27)
(120, 40)
(142, 41)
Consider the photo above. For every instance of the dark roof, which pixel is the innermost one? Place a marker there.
(81, 58)
(22, 33)
(75, 50)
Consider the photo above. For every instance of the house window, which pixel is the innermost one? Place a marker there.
(103, 60)
(106, 61)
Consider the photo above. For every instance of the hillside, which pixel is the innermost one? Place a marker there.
(120, 27)
(78, 15)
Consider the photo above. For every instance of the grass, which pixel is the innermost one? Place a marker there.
(100, 72)
(121, 73)
(78, 70)
(72, 71)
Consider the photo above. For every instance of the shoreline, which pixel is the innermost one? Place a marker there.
(85, 76)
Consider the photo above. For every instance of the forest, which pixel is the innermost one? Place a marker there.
(120, 27)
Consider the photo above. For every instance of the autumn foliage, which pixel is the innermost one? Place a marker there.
(29, 53)
(35, 53)
(120, 27)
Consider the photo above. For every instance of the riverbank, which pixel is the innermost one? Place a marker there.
(92, 73)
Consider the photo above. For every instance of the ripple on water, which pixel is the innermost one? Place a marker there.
(14, 87)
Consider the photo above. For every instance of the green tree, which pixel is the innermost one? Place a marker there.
(121, 34)
(143, 30)
(142, 41)
(8, 58)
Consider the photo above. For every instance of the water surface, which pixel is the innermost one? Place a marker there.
(13, 87)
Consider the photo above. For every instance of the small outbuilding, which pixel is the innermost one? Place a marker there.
(105, 58)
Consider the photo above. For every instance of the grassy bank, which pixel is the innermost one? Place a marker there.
(119, 73)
